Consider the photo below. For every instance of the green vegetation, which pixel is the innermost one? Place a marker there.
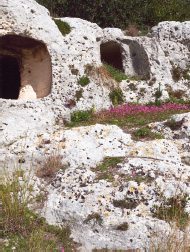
(96, 217)
(173, 209)
(145, 132)
(83, 81)
(131, 114)
(116, 96)
(105, 170)
(121, 13)
(116, 74)
(158, 93)
(80, 116)
(63, 26)
(186, 74)
(25, 230)
(109, 162)
(139, 178)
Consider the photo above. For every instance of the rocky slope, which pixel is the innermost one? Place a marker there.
(161, 57)
(115, 206)
(148, 174)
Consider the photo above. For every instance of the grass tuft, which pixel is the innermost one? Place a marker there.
(83, 81)
(145, 132)
(50, 166)
(63, 27)
(116, 74)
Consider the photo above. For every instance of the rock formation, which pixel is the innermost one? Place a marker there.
(46, 68)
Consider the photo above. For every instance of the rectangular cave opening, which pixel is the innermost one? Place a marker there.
(111, 54)
(10, 82)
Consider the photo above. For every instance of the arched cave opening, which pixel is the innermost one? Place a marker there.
(26, 71)
(9, 77)
(111, 54)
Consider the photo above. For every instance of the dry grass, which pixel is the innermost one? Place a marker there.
(16, 191)
(173, 241)
(132, 31)
(50, 166)
(102, 75)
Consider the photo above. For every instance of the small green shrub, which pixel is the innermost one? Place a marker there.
(116, 96)
(157, 103)
(80, 116)
(83, 81)
(96, 217)
(116, 74)
(123, 227)
(104, 171)
(106, 176)
(139, 178)
(63, 27)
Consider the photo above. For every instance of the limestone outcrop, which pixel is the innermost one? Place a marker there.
(41, 88)
(52, 64)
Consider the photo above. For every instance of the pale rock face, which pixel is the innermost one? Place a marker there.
(49, 73)
(65, 60)
(27, 93)
(77, 192)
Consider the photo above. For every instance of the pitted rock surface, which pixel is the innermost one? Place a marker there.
(150, 171)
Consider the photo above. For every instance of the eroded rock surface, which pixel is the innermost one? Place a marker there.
(154, 57)
(149, 173)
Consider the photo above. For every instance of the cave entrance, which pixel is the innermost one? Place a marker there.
(26, 71)
(111, 54)
(9, 77)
